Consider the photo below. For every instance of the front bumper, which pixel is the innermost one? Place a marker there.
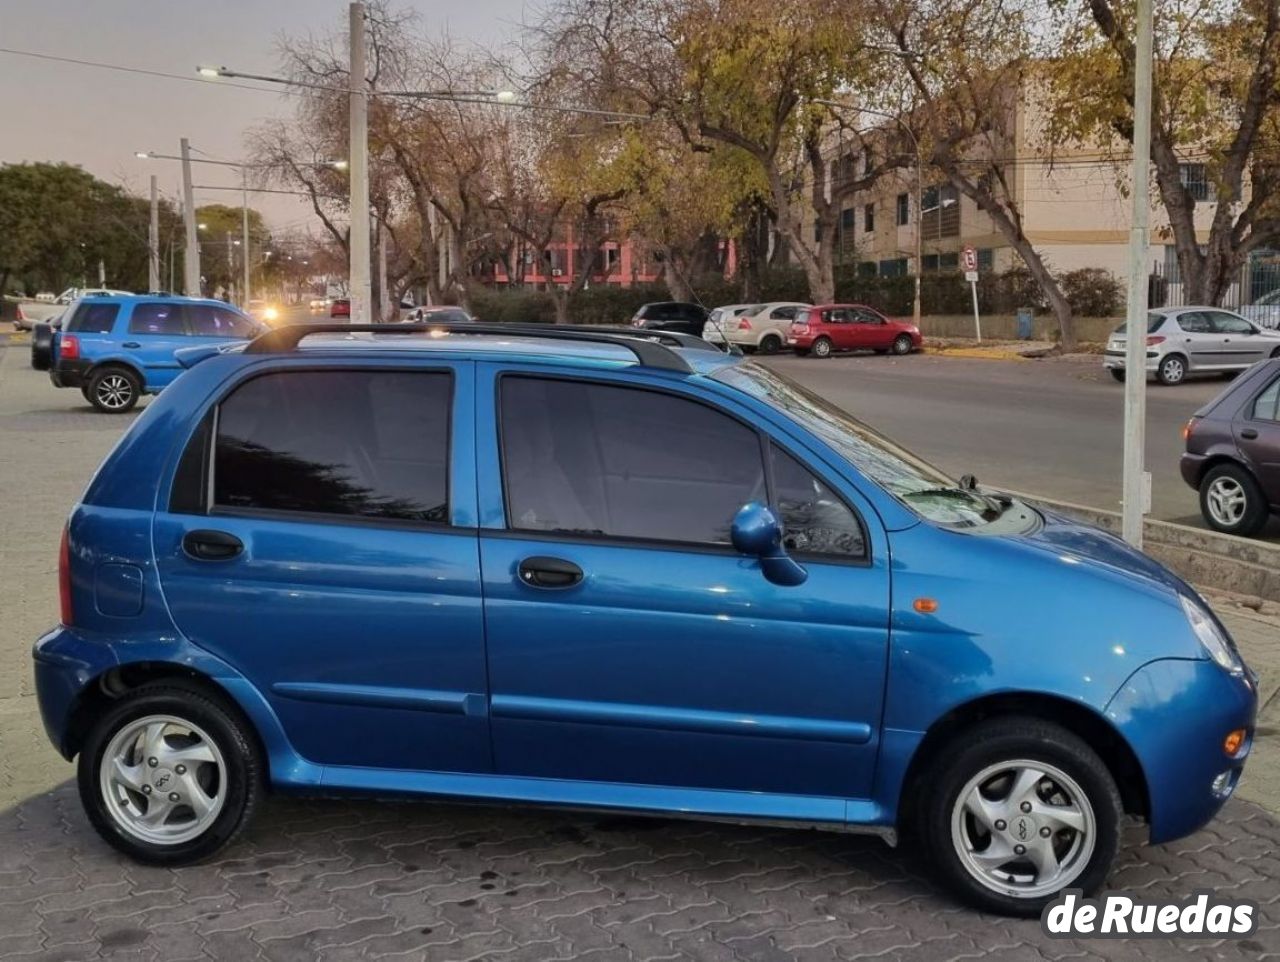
(1175, 713)
(69, 373)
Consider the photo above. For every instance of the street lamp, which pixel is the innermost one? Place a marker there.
(915, 143)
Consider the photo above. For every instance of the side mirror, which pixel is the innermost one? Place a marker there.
(756, 532)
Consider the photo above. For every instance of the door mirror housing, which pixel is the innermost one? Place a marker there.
(756, 532)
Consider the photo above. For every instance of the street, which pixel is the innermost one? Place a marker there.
(1052, 427)
(368, 879)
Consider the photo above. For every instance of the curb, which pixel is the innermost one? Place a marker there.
(1241, 566)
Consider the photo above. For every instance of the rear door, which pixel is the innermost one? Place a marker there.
(1257, 430)
(321, 540)
(155, 331)
(1195, 337)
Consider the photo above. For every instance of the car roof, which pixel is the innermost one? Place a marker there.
(160, 298)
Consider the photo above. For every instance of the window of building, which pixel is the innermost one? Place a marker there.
(929, 198)
(929, 263)
(904, 209)
(986, 259)
(949, 262)
(869, 218)
(597, 459)
(373, 444)
(846, 219)
(1195, 179)
(157, 319)
(893, 268)
(866, 268)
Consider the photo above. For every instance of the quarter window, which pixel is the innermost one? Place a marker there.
(93, 319)
(373, 444)
(1267, 407)
(157, 319)
(598, 459)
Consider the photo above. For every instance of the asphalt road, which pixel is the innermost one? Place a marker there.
(1051, 427)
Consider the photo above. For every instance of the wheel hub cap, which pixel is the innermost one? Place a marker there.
(1226, 501)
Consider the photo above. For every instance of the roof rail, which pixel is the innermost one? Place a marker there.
(647, 351)
(667, 338)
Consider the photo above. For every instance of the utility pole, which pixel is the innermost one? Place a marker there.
(358, 158)
(1137, 482)
(231, 263)
(153, 240)
(384, 296)
(191, 261)
(244, 231)
(915, 303)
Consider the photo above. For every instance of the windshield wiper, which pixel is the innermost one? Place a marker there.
(993, 506)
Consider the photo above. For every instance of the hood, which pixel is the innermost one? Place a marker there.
(1068, 538)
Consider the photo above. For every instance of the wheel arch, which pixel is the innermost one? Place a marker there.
(127, 363)
(1080, 720)
(1218, 460)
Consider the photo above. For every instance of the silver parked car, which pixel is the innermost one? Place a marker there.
(1265, 311)
(1194, 340)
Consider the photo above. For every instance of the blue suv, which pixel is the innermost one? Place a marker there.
(117, 348)
(612, 571)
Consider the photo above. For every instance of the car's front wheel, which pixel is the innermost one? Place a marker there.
(114, 390)
(1232, 502)
(902, 344)
(1019, 811)
(169, 775)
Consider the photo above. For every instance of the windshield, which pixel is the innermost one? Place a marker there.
(1154, 320)
(914, 482)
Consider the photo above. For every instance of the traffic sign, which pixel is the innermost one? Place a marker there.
(971, 276)
(970, 259)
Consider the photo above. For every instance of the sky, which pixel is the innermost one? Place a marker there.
(98, 118)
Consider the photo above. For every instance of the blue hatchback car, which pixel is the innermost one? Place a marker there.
(117, 348)
(599, 570)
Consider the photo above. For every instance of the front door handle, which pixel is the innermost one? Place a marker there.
(543, 572)
(206, 545)
(131, 344)
(1248, 433)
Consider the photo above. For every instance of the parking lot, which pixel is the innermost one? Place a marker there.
(362, 879)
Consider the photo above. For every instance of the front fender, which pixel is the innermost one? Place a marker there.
(69, 661)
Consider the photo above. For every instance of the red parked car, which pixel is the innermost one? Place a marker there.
(825, 328)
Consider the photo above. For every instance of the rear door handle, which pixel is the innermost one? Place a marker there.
(206, 545)
(544, 572)
(131, 344)
(1248, 433)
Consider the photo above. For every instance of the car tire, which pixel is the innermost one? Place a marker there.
(1231, 501)
(1069, 817)
(1276, 353)
(114, 389)
(770, 344)
(822, 347)
(1172, 370)
(1117, 373)
(901, 344)
(211, 754)
(42, 347)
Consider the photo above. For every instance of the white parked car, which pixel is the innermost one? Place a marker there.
(1194, 340)
(758, 327)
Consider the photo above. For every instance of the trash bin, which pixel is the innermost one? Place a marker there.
(1025, 326)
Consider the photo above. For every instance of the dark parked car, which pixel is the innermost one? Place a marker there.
(1233, 452)
(679, 316)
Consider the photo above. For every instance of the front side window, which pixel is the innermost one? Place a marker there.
(814, 519)
(91, 318)
(1229, 324)
(209, 321)
(597, 459)
(157, 319)
(373, 444)
(1267, 407)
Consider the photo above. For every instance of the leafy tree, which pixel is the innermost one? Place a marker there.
(221, 251)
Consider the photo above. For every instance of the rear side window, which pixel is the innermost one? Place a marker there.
(206, 320)
(783, 314)
(373, 444)
(91, 318)
(1267, 407)
(157, 319)
(598, 459)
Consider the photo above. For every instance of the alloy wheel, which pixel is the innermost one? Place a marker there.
(163, 779)
(1226, 500)
(1023, 828)
(114, 392)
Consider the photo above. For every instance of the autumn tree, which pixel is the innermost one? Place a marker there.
(1215, 106)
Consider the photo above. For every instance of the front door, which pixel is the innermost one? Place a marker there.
(1257, 430)
(328, 553)
(1241, 347)
(628, 642)
(870, 330)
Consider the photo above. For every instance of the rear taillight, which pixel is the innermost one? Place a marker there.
(68, 347)
(1154, 339)
(800, 328)
(64, 580)
(744, 323)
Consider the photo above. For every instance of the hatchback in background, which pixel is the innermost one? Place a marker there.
(115, 349)
(1233, 452)
(1194, 340)
(753, 327)
(679, 316)
(439, 314)
(826, 328)
(340, 307)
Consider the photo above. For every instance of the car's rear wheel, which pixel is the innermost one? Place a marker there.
(822, 347)
(902, 344)
(1172, 370)
(1117, 373)
(169, 775)
(1231, 501)
(1019, 811)
(114, 390)
(770, 344)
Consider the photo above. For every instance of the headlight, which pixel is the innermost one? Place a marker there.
(270, 314)
(1211, 636)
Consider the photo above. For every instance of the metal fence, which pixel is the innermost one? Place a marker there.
(1255, 292)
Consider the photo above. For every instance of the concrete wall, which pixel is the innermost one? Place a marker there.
(1044, 326)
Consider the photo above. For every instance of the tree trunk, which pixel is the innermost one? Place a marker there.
(674, 277)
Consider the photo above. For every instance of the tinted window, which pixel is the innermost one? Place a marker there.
(1229, 323)
(598, 459)
(814, 520)
(209, 321)
(783, 314)
(157, 319)
(368, 443)
(657, 312)
(93, 318)
(1267, 407)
